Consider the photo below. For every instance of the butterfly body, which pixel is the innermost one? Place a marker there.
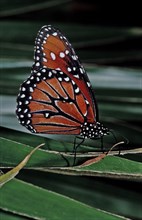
(57, 98)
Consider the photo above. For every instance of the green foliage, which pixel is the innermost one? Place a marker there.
(46, 205)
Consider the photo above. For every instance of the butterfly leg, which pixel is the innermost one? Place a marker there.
(102, 145)
(76, 145)
(68, 164)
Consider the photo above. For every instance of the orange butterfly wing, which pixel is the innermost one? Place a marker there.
(47, 103)
(57, 98)
(53, 50)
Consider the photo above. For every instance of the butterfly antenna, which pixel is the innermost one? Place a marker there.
(115, 145)
(126, 141)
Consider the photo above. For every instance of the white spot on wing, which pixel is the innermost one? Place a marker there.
(74, 57)
(87, 102)
(31, 89)
(26, 102)
(73, 82)
(43, 70)
(50, 74)
(66, 52)
(38, 74)
(28, 122)
(54, 71)
(88, 84)
(54, 34)
(37, 79)
(23, 96)
(46, 115)
(44, 59)
(81, 70)
(26, 110)
(85, 114)
(77, 90)
(53, 56)
(69, 69)
(67, 79)
(58, 68)
(74, 68)
(37, 64)
(76, 76)
(23, 89)
(62, 55)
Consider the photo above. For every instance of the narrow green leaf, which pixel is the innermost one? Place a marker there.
(37, 203)
(110, 166)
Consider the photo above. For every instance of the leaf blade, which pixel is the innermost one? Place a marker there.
(52, 204)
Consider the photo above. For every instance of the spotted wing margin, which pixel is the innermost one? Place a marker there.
(53, 50)
(50, 102)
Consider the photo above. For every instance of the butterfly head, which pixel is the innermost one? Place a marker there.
(91, 130)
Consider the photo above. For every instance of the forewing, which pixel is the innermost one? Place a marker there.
(53, 50)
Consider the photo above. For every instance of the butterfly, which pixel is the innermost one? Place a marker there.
(57, 98)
